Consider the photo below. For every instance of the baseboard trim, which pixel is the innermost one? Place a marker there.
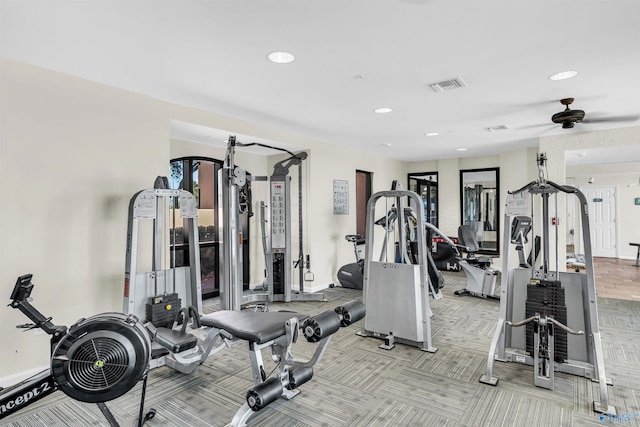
(10, 380)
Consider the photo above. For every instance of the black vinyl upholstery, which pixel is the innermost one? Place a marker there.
(254, 326)
(175, 341)
(467, 238)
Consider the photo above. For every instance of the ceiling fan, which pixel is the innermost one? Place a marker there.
(568, 117)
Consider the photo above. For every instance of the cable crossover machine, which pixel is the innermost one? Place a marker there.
(548, 318)
(234, 201)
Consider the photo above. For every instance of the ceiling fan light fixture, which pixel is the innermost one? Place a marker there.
(568, 118)
(563, 75)
(281, 57)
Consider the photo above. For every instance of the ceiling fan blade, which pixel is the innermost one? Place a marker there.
(610, 119)
(544, 102)
(539, 125)
(546, 130)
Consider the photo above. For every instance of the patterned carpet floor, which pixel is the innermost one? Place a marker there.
(358, 384)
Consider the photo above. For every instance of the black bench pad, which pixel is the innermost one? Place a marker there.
(254, 326)
(175, 341)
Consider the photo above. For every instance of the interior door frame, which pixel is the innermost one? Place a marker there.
(420, 178)
(616, 210)
(363, 192)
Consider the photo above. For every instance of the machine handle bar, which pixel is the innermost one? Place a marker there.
(548, 319)
(523, 322)
(566, 328)
(564, 188)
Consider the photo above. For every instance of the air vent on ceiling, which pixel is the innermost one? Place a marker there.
(450, 84)
(496, 128)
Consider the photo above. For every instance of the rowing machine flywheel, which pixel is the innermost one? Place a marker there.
(101, 358)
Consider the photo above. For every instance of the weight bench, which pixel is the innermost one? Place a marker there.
(637, 264)
(277, 331)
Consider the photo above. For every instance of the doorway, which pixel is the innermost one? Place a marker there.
(602, 202)
(199, 176)
(426, 185)
(363, 193)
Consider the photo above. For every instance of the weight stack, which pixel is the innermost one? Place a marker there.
(162, 310)
(547, 299)
(278, 274)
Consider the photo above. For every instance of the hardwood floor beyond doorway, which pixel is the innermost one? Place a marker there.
(617, 278)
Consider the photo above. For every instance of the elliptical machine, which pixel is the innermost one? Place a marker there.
(351, 275)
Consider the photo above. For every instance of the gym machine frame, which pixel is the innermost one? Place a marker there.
(140, 288)
(585, 355)
(233, 202)
(279, 331)
(391, 288)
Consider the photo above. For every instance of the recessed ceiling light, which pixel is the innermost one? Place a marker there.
(432, 133)
(563, 75)
(386, 144)
(461, 149)
(383, 110)
(281, 57)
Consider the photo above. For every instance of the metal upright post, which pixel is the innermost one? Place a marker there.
(231, 178)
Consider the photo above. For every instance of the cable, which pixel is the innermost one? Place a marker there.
(239, 144)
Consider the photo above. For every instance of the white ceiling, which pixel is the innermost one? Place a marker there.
(351, 57)
(592, 156)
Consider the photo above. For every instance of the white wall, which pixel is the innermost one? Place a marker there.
(72, 154)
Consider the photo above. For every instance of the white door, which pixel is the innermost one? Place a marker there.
(602, 219)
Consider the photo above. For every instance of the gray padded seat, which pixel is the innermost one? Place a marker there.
(254, 326)
(467, 238)
(175, 341)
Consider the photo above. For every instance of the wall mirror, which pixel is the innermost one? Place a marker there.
(479, 202)
(426, 185)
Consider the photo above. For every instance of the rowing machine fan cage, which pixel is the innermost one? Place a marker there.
(101, 358)
(568, 118)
